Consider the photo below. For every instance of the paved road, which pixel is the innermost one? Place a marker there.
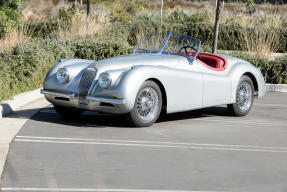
(202, 150)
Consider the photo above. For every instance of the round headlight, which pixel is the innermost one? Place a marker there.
(105, 80)
(63, 75)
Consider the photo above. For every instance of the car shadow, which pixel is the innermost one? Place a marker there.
(195, 114)
(99, 120)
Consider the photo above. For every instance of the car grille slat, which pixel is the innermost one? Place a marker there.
(85, 83)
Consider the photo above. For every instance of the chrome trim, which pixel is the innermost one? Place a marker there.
(106, 100)
(64, 95)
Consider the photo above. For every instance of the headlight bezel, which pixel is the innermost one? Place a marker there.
(63, 75)
(105, 80)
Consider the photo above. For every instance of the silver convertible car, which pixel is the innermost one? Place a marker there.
(165, 73)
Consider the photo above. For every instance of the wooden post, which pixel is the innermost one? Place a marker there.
(216, 27)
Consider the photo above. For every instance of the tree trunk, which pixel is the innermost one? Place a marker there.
(88, 7)
(216, 27)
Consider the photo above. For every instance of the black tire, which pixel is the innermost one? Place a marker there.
(136, 116)
(67, 112)
(237, 109)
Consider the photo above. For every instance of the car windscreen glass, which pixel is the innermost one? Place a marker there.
(169, 43)
(180, 44)
(151, 43)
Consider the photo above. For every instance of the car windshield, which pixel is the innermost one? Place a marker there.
(169, 43)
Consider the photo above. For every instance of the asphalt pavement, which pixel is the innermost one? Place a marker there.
(201, 150)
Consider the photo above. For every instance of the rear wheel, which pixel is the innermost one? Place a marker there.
(147, 105)
(244, 97)
(67, 112)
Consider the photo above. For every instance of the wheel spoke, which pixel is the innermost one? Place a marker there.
(147, 104)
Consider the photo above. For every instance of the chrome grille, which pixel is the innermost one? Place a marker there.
(86, 82)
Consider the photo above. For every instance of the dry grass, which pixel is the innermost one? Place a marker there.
(262, 43)
(82, 26)
(10, 40)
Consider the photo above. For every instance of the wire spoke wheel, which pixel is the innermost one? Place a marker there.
(147, 106)
(244, 97)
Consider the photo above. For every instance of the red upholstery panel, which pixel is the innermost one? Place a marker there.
(209, 60)
(212, 61)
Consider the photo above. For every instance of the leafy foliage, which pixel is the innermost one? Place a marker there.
(9, 15)
(179, 16)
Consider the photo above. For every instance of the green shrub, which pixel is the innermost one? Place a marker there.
(180, 16)
(9, 15)
(121, 14)
(45, 28)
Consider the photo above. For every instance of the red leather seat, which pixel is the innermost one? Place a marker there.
(212, 61)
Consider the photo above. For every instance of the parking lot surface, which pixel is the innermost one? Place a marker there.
(201, 150)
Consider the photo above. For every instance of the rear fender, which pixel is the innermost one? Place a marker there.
(238, 71)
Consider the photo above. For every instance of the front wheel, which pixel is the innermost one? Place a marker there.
(147, 105)
(244, 97)
(68, 113)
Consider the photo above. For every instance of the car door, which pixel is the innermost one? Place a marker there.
(216, 87)
(185, 90)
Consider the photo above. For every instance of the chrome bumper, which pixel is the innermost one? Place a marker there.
(94, 103)
(91, 98)
(58, 94)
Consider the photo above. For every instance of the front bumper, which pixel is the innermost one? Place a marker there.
(101, 104)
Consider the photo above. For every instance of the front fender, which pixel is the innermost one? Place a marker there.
(240, 69)
(75, 66)
(183, 88)
(127, 85)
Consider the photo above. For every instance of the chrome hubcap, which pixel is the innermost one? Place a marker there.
(147, 104)
(244, 97)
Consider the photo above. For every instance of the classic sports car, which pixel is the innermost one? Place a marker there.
(165, 73)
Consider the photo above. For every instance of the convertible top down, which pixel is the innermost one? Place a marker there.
(165, 73)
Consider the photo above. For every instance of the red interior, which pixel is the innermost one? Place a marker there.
(211, 61)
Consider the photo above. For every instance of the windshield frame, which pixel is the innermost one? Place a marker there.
(191, 59)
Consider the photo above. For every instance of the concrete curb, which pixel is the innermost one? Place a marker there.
(18, 101)
(276, 87)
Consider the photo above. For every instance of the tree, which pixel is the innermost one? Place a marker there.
(216, 27)
(9, 15)
(88, 7)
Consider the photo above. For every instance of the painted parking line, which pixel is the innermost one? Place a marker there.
(242, 121)
(270, 105)
(95, 190)
(155, 144)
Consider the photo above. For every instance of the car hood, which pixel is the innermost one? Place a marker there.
(128, 61)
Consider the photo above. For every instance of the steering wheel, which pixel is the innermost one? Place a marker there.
(185, 49)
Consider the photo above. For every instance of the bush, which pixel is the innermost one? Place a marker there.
(9, 15)
(43, 28)
(24, 67)
(180, 16)
(231, 36)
